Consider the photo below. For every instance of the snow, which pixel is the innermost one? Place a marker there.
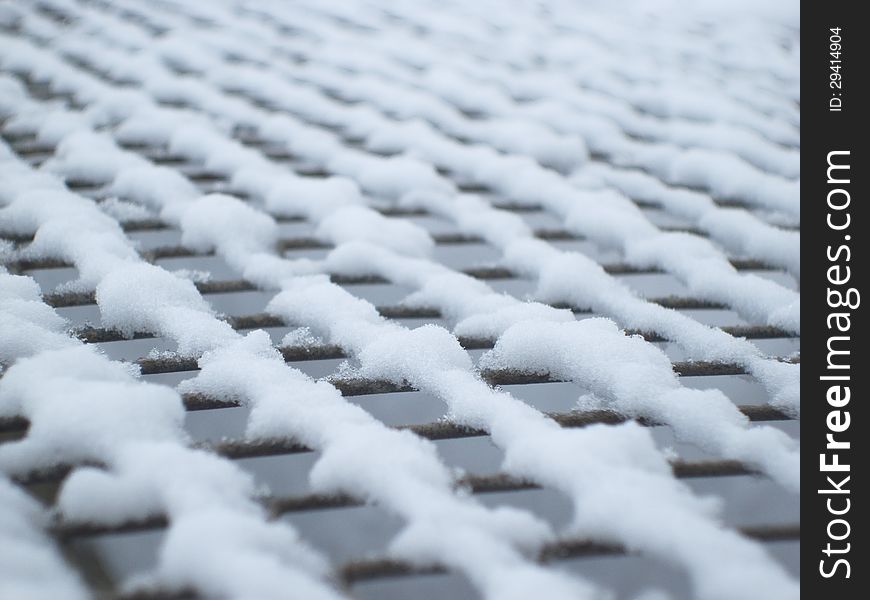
(96, 165)
(525, 181)
(152, 186)
(123, 211)
(296, 196)
(85, 408)
(30, 565)
(387, 177)
(86, 384)
(635, 378)
(735, 229)
(355, 223)
(401, 471)
(725, 176)
(431, 359)
(222, 551)
(144, 297)
(28, 325)
(238, 228)
(490, 97)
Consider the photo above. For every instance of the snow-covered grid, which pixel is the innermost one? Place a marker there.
(329, 299)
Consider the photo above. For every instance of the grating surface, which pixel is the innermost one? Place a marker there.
(338, 177)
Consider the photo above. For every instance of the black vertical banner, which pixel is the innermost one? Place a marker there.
(834, 175)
